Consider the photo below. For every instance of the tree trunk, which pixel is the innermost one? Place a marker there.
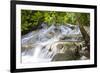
(86, 37)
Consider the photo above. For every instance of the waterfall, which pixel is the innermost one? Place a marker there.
(37, 51)
(41, 42)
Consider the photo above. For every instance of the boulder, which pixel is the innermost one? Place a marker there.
(71, 53)
(59, 46)
(68, 55)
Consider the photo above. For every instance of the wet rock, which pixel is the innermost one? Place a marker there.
(43, 47)
(59, 46)
(50, 50)
(44, 25)
(62, 38)
(50, 34)
(71, 37)
(26, 47)
(71, 26)
(65, 38)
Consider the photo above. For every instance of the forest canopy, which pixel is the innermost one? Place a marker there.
(32, 20)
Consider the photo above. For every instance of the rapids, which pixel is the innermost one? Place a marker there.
(40, 45)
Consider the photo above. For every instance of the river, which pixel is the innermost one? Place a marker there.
(41, 45)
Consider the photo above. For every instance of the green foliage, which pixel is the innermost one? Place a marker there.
(30, 19)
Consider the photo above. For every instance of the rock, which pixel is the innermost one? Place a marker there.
(59, 46)
(43, 47)
(69, 55)
(83, 58)
(86, 53)
(57, 30)
(84, 48)
(26, 47)
(61, 57)
(50, 49)
(44, 25)
(50, 34)
(62, 37)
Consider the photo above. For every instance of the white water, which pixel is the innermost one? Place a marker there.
(44, 40)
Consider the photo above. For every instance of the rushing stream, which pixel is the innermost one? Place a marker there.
(41, 45)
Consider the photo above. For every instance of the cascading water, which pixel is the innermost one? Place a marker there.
(40, 42)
